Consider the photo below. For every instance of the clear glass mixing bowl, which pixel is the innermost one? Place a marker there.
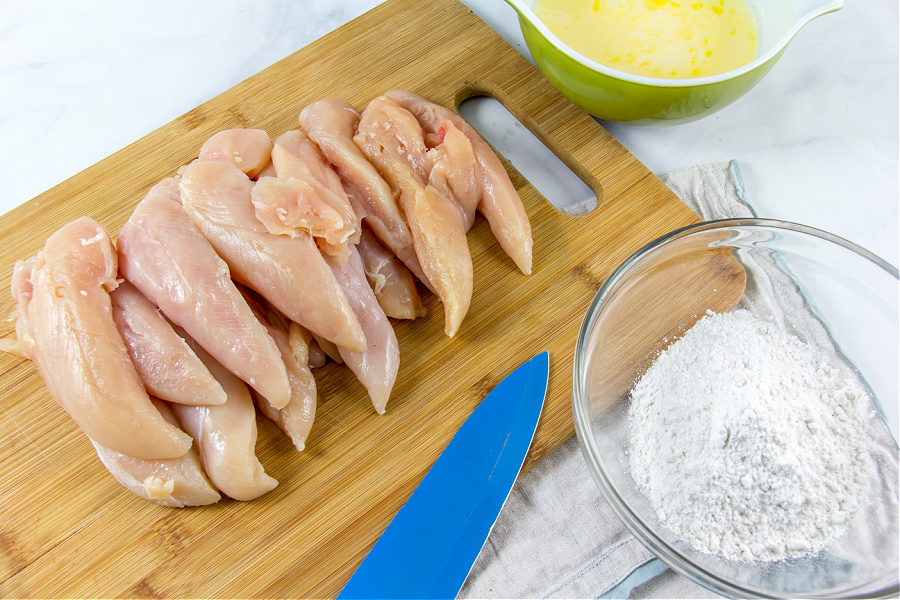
(821, 288)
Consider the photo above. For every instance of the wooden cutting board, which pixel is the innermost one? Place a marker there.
(68, 529)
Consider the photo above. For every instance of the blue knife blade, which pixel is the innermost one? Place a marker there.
(428, 549)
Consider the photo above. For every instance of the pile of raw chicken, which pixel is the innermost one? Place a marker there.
(259, 261)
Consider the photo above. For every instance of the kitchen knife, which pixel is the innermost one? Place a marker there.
(429, 547)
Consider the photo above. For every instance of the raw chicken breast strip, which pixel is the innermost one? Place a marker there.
(20, 286)
(330, 349)
(302, 339)
(393, 141)
(168, 367)
(453, 168)
(296, 157)
(331, 124)
(289, 206)
(287, 271)
(165, 256)
(172, 482)
(377, 367)
(226, 435)
(295, 419)
(317, 356)
(500, 203)
(66, 313)
(250, 150)
(392, 282)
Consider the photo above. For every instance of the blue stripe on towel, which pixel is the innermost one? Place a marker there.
(641, 575)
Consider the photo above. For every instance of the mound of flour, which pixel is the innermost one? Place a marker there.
(746, 443)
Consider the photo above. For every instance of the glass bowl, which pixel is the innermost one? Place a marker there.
(824, 290)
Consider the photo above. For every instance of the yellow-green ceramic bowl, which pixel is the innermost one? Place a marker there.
(618, 96)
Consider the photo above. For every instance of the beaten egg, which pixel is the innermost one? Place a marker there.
(656, 38)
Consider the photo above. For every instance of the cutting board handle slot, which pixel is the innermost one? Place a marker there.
(521, 140)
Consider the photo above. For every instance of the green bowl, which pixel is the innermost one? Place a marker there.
(618, 96)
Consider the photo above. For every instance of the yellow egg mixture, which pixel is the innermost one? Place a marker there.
(656, 38)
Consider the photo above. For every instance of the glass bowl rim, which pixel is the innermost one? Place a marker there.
(635, 525)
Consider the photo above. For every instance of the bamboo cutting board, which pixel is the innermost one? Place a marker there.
(68, 529)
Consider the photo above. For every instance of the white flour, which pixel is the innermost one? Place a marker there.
(746, 443)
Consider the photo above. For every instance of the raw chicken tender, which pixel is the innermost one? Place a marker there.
(438, 227)
(331, 124)
(167, 258)
(500, 203)
(295, 156)
(226, 436)
(316, 357)
(168, 367)
(453, 168)
(289, 206)
(168, 188)
(250, 150)
(392, 282)
(377, 367)
(20, 286)
(297, 417)
(269, 171)
(330, 349)
(287, 271)
(66, 315)
(393, 141)
(172, 482)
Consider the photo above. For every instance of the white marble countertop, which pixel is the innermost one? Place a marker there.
(817, 140)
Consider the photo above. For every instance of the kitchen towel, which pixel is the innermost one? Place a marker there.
(557, 537)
